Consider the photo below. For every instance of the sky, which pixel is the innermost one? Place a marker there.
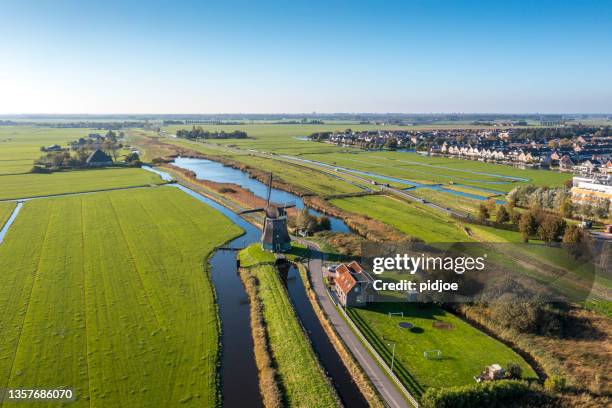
(411, 56)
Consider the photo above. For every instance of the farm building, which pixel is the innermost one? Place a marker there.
(99, 159)
(353, 285)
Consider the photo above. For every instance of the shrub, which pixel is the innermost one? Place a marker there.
(501, 393)
(502, 214)
(555, 383)
(483, 212)
(40, 170)
(514, 371)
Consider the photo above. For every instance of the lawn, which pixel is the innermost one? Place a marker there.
(77, 181)
(411, 218)
(20, 145)
(5, 212)
(254, 254)
(465, 350)
(303, 381)
(108, 294)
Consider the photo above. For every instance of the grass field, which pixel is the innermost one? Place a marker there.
(414, 167)
(108, 294)
(411, 218)
(465, 350)
(303, 381)
(5, 212)
(459, 203)
(34, 185)
(20, 145)
(281, 139)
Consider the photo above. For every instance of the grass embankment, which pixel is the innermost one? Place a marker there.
(108, 294)
(5, 212)
(359, 376)
(301, 378)
(77, 181)
(410, 218)
(465, 350)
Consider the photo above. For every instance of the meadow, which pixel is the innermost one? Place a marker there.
(303, 382)
(20, 145)
(412, 219)
(443, 170)
(465, 350)
(5, 212)
(133, 319)
(77, 181)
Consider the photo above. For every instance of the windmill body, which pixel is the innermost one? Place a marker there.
(275, 236)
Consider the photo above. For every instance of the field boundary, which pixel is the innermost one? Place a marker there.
(373, 351)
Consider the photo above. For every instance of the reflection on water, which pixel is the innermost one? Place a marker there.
(217, 172)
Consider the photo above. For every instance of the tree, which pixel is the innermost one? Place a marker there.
(514, 371)
(551, 228)
(324, 223)
(566, 208)
(528, 225)
(491, 205)
(502, 214)
(483, 213)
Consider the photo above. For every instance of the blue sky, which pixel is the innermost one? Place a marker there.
(350, 56)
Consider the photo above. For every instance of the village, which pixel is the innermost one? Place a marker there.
(562, 148)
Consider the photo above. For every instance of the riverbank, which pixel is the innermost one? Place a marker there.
(301, 379)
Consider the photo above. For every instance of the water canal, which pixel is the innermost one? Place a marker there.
(217, 172)
(239, 382)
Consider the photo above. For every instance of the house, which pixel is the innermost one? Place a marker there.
(99, 159)
(353, 285)
(566, 164)
(53, 148)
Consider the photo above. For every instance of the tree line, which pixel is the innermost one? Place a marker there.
(199, 133)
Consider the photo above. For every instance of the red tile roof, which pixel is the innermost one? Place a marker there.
(344, 279)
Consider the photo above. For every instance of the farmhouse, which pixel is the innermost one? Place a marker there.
(353, 285)
(99, 159)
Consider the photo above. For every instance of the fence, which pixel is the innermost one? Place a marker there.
(380, 360)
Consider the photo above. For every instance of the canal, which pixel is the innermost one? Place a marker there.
(239, 381)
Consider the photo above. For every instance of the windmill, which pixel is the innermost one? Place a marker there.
(275, 236)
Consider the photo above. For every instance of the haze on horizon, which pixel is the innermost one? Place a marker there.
(374, 56)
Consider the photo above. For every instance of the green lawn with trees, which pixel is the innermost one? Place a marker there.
(109, 294)
(465, 350)
(20, 145)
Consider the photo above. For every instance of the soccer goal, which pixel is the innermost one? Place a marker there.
(391, 314)
(432, 354)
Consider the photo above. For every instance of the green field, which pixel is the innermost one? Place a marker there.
(412, 219)
(108, 294)
(78, 181)
(465, 350)
(423, 169)
(5, 212)
(281, 139)
(302, 378)
(20, 145)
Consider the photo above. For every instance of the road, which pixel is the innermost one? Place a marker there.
(385, 386)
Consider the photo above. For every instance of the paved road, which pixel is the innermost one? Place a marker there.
(391, 395)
